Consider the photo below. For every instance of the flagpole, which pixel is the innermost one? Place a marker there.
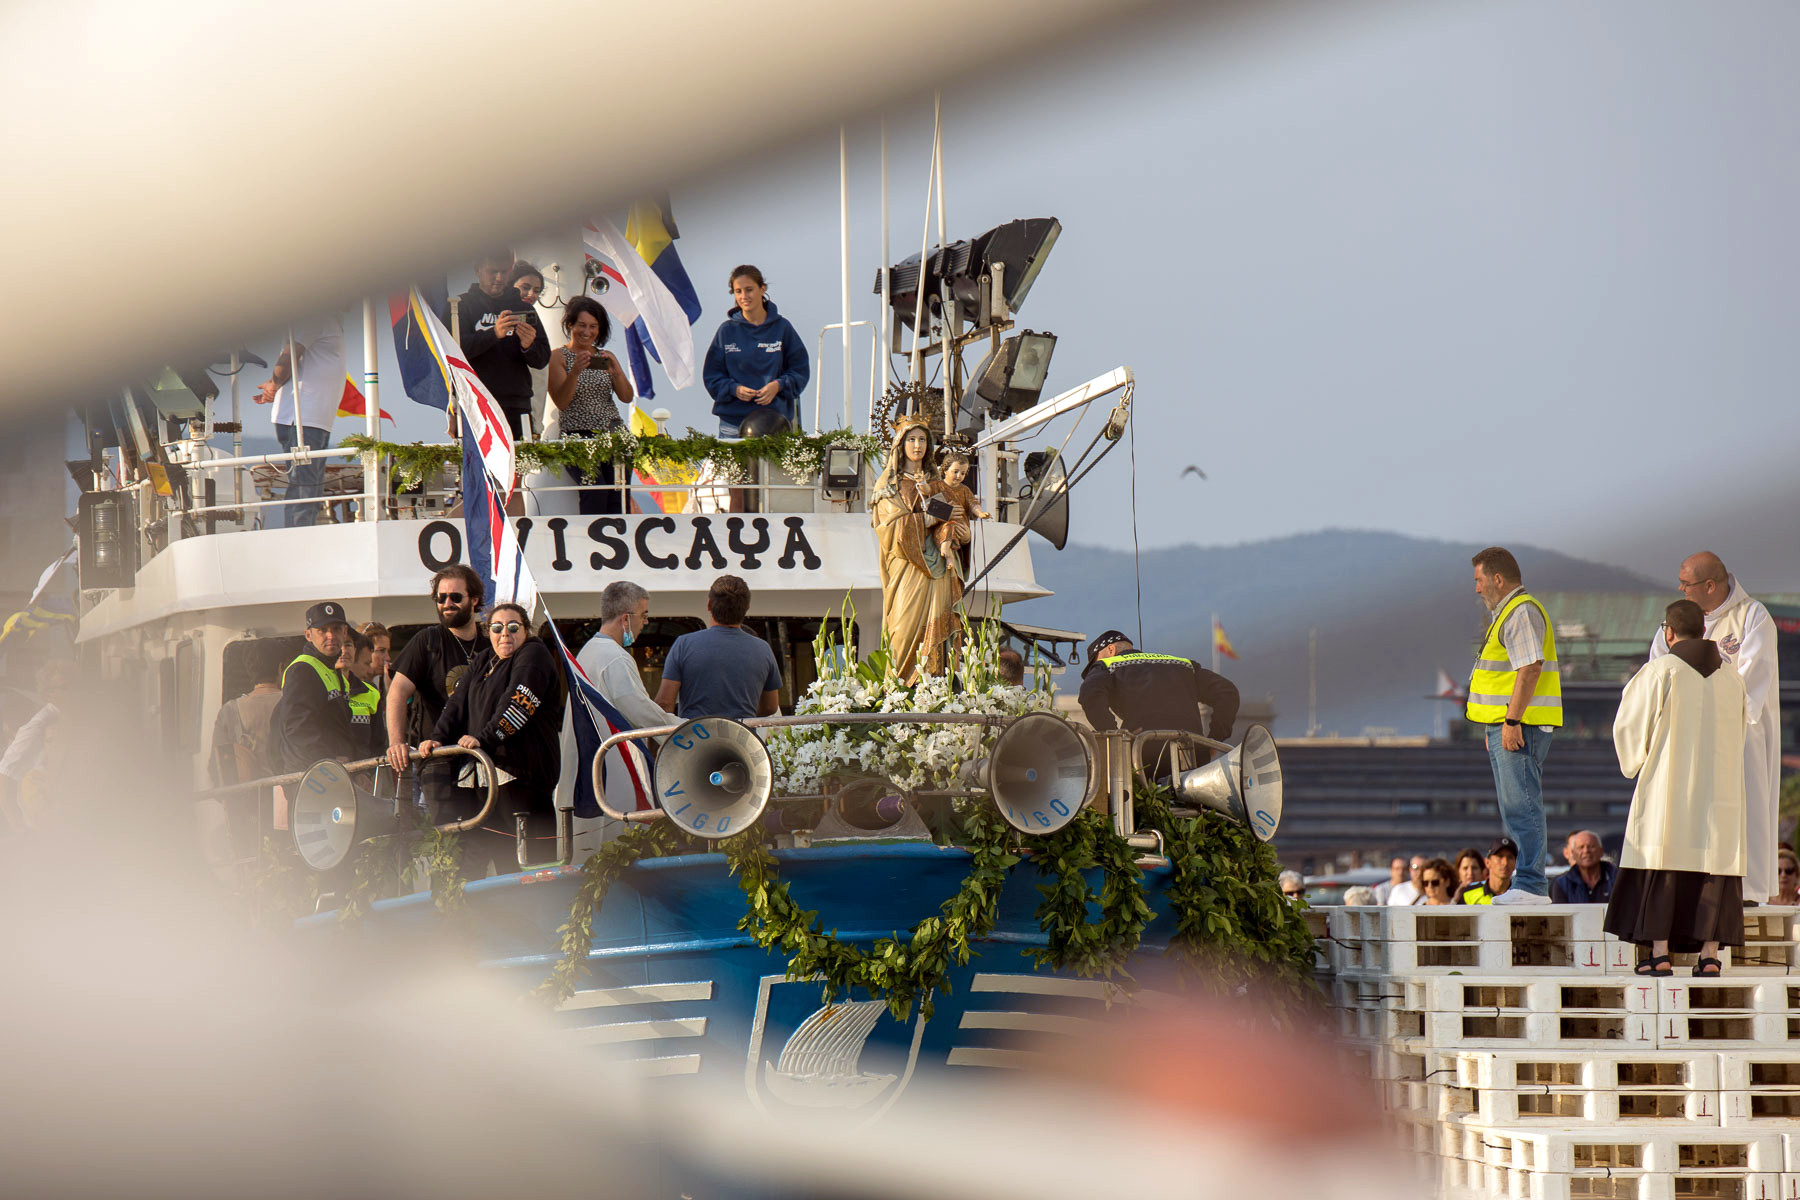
(237, 435)
(371, 413)
(1312, 682)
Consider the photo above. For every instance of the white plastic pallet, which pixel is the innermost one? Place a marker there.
(1637, 1071)
(1699, 1149)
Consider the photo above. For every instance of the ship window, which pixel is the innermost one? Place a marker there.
(236, 667)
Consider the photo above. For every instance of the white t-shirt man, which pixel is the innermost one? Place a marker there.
(611, 668)
(321, 374)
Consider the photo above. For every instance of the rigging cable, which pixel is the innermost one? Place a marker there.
(1137, 570)
(1039, 499)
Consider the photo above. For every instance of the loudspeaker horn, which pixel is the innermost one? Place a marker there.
(714, 777)
(1047, 492)
(1245, 785)
(332, 815)
(1040, 772)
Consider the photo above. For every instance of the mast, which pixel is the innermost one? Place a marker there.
(371, 412)
(844, 255)
(884, 328)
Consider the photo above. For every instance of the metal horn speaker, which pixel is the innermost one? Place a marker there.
(332, 815)
(1245, 785)
(1040, 772)
(714, 777)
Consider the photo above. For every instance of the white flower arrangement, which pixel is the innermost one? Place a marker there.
(914, 758)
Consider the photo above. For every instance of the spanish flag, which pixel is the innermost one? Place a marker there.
(354, 404)
(1221, 643)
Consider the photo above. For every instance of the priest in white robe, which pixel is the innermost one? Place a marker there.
(1680, 733)
(1745, 635)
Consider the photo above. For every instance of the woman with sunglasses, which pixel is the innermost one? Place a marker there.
(510, 705)
(1787, 877)
(1437, 883)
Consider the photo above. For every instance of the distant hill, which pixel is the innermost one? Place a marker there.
(1390, 611)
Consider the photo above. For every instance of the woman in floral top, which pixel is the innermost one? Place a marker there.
(584, 381)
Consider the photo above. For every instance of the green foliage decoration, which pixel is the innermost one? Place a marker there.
(800, 454)
(601, 870)
(1233, 927)
(899, 971)
(1076, 944)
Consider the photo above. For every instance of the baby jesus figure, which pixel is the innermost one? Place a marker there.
(953, 532)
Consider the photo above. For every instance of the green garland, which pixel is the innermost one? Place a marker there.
(901, 973)
(598, 873)
(800, 453)
(1233, 927)
(1076, 944)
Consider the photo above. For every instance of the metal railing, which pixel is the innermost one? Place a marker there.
(192, 512)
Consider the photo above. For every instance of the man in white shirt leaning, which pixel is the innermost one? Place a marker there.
(307, 419)
(608, 662)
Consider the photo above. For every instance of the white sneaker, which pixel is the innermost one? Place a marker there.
(1517, 896)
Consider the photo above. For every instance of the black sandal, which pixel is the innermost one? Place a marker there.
(1658, 966)
(1700, 971)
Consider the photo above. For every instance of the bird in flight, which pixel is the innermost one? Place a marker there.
(1191, 469)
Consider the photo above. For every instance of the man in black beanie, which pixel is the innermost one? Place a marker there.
(1123, 687)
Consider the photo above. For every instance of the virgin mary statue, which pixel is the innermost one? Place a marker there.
(918, 591)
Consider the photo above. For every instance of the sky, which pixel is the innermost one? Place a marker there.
(1476, 272)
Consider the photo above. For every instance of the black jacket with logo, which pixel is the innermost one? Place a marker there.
(499, 361)
(1140, 690)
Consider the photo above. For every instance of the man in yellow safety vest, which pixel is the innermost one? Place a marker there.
(1515, 690)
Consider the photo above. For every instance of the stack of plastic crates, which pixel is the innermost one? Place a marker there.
(1518, 1055)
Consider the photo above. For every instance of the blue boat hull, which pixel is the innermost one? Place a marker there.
(676, 991)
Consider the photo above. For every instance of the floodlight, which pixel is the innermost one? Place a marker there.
(843, 468)
(1011, 378)
(1015, 251)
(180, 393)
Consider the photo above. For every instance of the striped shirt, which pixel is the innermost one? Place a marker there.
(1523, 633)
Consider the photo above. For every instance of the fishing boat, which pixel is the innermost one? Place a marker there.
(185, 574)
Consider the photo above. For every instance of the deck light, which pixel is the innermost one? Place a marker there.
(843, 469)
(108, 525)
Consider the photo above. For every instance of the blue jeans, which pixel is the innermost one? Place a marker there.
(1519, 784)
(305, 480)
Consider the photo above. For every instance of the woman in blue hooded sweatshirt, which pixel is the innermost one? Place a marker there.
(756, 359)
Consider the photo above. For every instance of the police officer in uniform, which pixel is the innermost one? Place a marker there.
(312, 720)
(1123, 687)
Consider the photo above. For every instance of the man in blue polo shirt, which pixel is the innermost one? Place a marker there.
(723, 670)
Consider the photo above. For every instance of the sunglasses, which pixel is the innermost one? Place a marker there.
(505, 627)
(451, 597)
(1434, 881)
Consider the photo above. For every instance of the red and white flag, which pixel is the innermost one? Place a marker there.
(1446, 686)
(481, 413)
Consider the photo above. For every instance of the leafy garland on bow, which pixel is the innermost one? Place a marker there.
(1233, 927)
(284, 889)
(910, 970)
(800, 454)
(601, 870)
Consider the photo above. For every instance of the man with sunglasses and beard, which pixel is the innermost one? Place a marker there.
(426, 675)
